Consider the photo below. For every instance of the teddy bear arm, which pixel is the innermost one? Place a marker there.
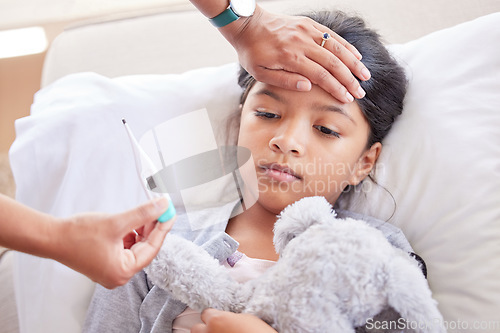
(409, 294)
(193, 276)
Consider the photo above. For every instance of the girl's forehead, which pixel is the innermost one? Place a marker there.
(316, 99)
(316, 94)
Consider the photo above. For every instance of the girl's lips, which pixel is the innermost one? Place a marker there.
(280, 173)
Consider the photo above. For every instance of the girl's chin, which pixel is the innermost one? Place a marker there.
(276, 202)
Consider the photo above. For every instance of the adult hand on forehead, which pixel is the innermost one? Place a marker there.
(286, 51)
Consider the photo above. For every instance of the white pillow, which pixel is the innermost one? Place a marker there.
(441, 162)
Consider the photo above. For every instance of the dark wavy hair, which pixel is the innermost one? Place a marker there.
(385, 90)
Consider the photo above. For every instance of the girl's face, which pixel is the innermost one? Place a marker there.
(304, 144)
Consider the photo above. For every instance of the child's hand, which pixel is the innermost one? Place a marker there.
(216, 321)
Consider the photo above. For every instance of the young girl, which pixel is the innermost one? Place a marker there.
(303, 144)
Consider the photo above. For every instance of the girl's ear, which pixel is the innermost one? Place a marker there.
(365, 163)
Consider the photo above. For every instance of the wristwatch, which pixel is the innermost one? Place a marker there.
(236, 9)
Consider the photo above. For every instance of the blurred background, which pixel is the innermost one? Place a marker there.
(27, 28)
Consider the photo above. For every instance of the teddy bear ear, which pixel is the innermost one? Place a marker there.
(298, 217)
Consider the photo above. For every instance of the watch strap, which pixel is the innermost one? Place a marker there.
(224, 18)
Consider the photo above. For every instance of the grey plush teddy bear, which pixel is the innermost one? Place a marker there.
(333, 275)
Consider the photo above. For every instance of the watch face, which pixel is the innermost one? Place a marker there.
(243, 7)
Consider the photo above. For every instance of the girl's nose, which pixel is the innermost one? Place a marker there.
(290, 138)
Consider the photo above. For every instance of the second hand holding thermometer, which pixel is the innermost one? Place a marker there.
(148, 170)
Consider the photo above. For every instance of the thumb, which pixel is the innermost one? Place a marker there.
(145, 250)
(143, 214)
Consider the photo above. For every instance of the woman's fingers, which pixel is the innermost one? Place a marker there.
(286, 51)
(336, 59)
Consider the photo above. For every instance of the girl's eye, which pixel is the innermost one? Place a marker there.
(326, 131)
(268, 115)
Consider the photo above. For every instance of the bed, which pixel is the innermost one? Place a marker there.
(441, 162)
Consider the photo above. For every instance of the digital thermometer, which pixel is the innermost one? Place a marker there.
(146, 171)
